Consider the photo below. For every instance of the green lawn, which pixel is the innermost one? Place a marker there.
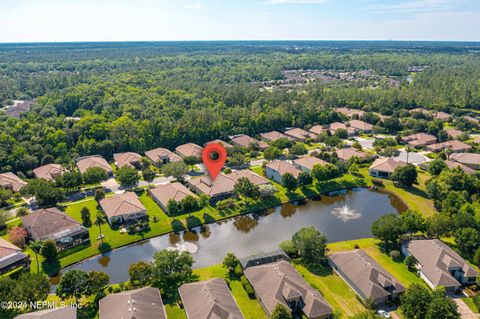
(470, 304)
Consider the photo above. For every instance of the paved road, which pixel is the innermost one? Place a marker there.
(465, 312)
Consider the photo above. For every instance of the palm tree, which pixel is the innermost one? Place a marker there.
(204, 200)
(99, 220)
(36, 246)
(408, 150)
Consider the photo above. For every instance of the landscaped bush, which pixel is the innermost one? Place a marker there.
(228, 203)
(410, 262)
(177, 225)
(395, 255)
(476, 302)
(248, 287)
(238, 270)
(288, 248)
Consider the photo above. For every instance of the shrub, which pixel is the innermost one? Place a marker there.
(18, 236)
(288, 248)
(395, 255)
(22, 211)
(476, 302)
(238, 270)
(410, 262)
(248, 287)
(228, 203)
(356, 246)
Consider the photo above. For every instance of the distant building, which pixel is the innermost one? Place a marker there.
(348, 112)
(12, 182)
(276, 169)
(55, 313)
(345, 154)
(439, 265)
(161, 156)
(454, 133)
(384, 167)
(419, 139)
(453, 145)
(442, 116)
(337, 126)
(223, 143)
(365, 276)
(361, 126)
(299, 135)
(12, 257)
(162, 194)
(471, 119)
(466, 169)
(307, 163)
(51, 223)
(245, 141)
(123, 208)
(143, 303)
(209, 299)
(49, 172)
(189, 149)
(129, 159)
(273, 136)
(471, 160)
(84, 163)
(317, 129)
(263, 258)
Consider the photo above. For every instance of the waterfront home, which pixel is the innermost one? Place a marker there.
(345, 154)
(279, 283)
(223, 186)
(12, 182)
(189, 149)
(419, 139)
(162, 194)
(439, 265)
(49, 172)
(160, 156)
(361, 126)
(442, 116)
(217, 141)
(348, 112)
(276, 169)
(273, 136)
(365, 276)
(86, 162)
(317, 129)
(54, 313)
(466, 169)
(143, 303)
(12, 257)
(123, 208)
(384, 167)
(263, 258)
(337, 126)
(471, 160)
(129, 159)
(299, 135)
(453, 145)
(454, 133)
(245, 141)
(51, 223)
(209, 299)
(307, 163)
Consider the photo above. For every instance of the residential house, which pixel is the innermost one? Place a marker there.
(54, 313)
(439, 265)
(209, 299)
(12, 257)
(384, 167)
(442, 116)
(273, 136)
(477, 140)
(51, 223)
(222, 187)
(419, 139)
(471, 160)
(365, 276)
(129, 159)
(189, 149)
(453, 165)
(307, 163)
(223, 143)
(337, 125)
(471, 119)
(245, 141)
(162, 194)
(420, 110)
(263, 258)
(143, 303)
(453, 145)
(49, 172)
(454, 133)
(279, 283)
(361, 126)
(299, 135)
(348, 112)
(276, 169)
(86, 162)
(12, 182)
(161, 156)
(123, 208)
(317, 129)
(345, 154)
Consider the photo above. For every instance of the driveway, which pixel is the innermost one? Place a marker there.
(465, 312)
(112, 185)
(366, 143)
(413, 158)
(157, 181)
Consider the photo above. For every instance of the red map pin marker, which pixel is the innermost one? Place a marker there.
(214, 156)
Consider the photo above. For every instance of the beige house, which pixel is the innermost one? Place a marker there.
(471, 160)
(466, 169)
(337, 126)
(49, 172)
(442, 116)
(299, 135)
(317, 129)
(84, 163)
(12, 257)
(419, 139)
(348, 112)
(129, 159)
(12, 182)
(223, 143)
(209, 299)
(245, 141)
(384, 167)
(189, 149)
(453, 145)
(276, 169)
(161, 156)
(55, 313)
(143, 303)
(273, 136)
(439, 265)
(361, 126)
(162, 194)
(307, 163)
(365, 276)
(453, 133)
(123, 208)
(345, 154)
(279, 283)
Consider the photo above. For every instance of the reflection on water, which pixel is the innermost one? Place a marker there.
(255, 233)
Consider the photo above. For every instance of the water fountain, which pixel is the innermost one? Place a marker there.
(345, 213)
(185, 246)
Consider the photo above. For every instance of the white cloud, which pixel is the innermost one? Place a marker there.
(412, 6)
(295, 1)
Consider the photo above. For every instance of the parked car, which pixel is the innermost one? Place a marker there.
(383, 313)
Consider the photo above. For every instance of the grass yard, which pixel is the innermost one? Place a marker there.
(470, 304)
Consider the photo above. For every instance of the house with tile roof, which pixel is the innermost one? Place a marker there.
(299, 135)
(276, 169)
(333, 127)
(12, 257)
(217, 141)
(54, 313)
(365, 276)
(453, 145)
(317, 129)
(273, 136)
(12, 182)
(361, 126)
(440, 265)
(51, 223)
(189, 149)
(454, 133)
(345, 154)
(162, 194)
(86, 162)
(384, 167)
(49, 172)
(161, 156)
(209, 299)
(129, 159)
(471, 160)
(306, 163)
(442, 116)
(279, 283)
(419, 139)
(453, 165)
(243, 140)
(125, 208)
(348, 112)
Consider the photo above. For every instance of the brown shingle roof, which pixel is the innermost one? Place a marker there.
(283, 167)
(7, 248)
(273, 136)
(317, 129)
(166, 192)
(209, 299)
(50, 223)
(189, 149)
(122, 204)
(454, 133)
(419, 139)
(49, 171)
(299, 134)
(346, 154)
(129, 159)
(443, 116)
(12, 181)
(158, 155)
(274, 283)
(366, 274)
(337, 125)
(308, 162)
(349, 112)
(454, 145)
(245, 141)
(466, 158)
(84, 163)
(466, 169)
(143, 303)
(386, 164)
(217, 141)
(360, 125)
(435, 258)
(56, 313)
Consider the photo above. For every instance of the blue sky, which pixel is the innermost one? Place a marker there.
(129, 20)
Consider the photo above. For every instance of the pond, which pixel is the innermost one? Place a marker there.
(345, 216)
